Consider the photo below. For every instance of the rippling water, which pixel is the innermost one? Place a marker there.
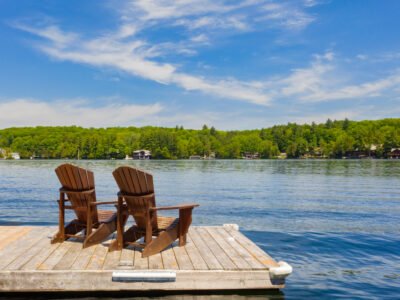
(337, 222)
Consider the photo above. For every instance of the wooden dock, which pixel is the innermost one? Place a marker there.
(215, 258)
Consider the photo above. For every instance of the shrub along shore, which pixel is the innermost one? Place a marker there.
(332, 139)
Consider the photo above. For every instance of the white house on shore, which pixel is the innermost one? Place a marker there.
(15, 155)
(141, 154)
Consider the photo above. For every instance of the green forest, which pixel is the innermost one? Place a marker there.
(332, 139)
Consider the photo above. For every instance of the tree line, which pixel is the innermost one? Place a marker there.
(332, 139)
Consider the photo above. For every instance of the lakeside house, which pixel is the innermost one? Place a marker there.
(394, 153)
(282, 155)
(211, 156)
(141, 154)
(15, 155)
(251, 155)
(369, 153)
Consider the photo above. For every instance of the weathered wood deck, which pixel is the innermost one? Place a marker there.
(215, 258)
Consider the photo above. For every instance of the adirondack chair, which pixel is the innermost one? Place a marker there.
(78, 189)
(137, 192)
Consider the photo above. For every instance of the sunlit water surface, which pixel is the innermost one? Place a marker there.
(336, 222)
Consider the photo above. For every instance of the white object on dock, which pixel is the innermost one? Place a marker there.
(282, 271)
(143, 276)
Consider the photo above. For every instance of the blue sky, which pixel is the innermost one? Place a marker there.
(231, 64)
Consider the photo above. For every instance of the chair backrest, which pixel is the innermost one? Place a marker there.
(137, 189)
(76, 179)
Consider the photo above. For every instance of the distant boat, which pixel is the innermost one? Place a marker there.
(127, 157)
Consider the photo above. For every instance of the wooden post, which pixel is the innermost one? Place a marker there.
(61, 216)
(149, 230)
(120, 228)
(89, 217)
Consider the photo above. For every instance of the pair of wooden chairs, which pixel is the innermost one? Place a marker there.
(135, 198)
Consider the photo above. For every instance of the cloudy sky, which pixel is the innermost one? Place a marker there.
(231, 64)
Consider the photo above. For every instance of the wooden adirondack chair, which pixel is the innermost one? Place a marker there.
(78, 189)
(137, 191)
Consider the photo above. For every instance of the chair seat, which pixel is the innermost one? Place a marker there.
(105, 216)
(163, 223)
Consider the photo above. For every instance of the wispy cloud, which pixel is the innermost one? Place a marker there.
(125, 48)
(286, 15)
(134, 57)
(29, 112)
(220, 14)
(321, 81)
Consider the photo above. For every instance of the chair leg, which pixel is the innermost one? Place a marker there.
(165, 239)
(60, 235)
(103, 231)
(185, 219)
(131, 235)
(118, 244)
(182, 240)
(72, 227)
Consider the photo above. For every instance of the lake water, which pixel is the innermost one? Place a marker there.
(337, 222)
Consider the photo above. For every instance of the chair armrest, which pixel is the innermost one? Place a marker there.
(179, 206)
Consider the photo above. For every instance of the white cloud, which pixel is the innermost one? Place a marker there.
(201, 38)
(367, 89)
(52, 33)
(28, 112)
(322, 81)
(286, 15)
(220, 15)
(124, 50)
(134, 56)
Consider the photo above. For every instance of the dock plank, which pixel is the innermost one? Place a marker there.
(126, 260)
(219, 253)
(140, 263)
(155, 262)
(53, 259)
(69, 258)
(194, 255)
(253, 263)
(205, 252)
(112, 260)
(235, 257)
(97, 260)
(182, 258)
(169, 260)
(83, 258)
(21, 246)
(40, 257)
(27, 256)
(12, 234)
(253, 249)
